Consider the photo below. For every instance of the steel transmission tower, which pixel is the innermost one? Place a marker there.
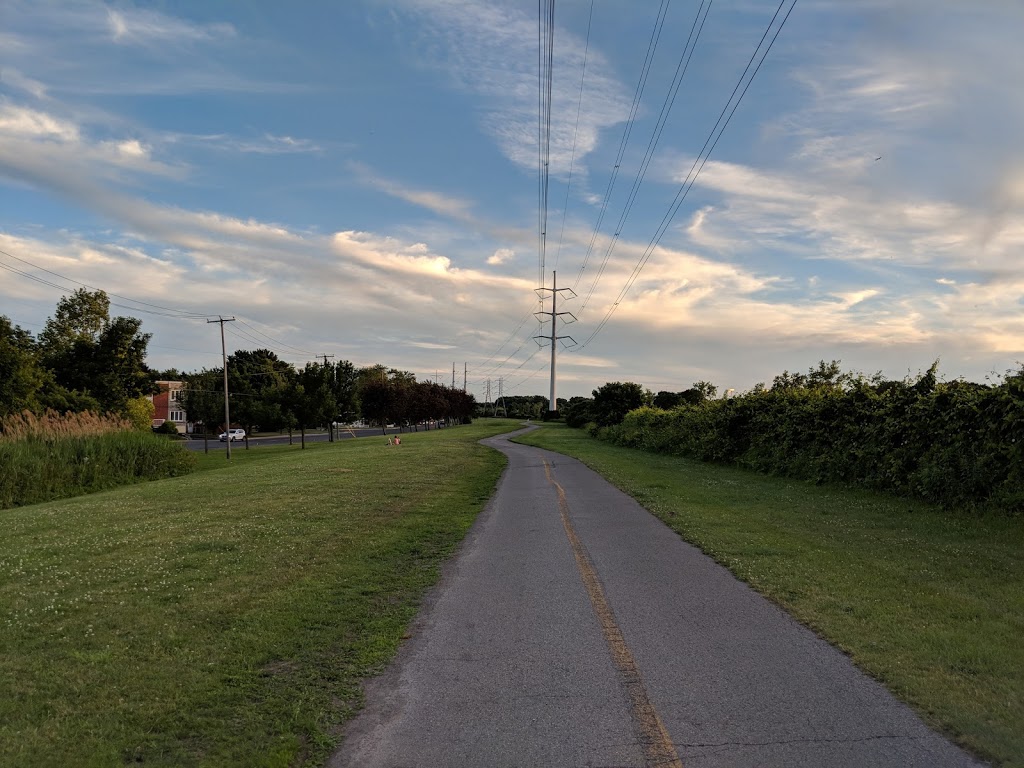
(554, 338)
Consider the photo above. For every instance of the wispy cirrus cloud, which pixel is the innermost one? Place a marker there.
(81, 47)
(24, 122)
(490, 50)
(760, 208)
(452, 207)
(267, 144)
(9, 76)
(138, 26)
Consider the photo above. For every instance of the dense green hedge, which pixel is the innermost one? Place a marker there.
(955, 443)
(36, 470)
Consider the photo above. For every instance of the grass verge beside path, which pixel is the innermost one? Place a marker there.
(929, 603)
(226, 617)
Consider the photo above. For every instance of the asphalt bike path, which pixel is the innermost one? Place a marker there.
(575, 629)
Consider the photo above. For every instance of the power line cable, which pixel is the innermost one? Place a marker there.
(175, 312)
(545, 61)
(652, 144)
(634, 108)
(545, 44)
(64, 288)
(276, 341)
(527, 378)
(494, 354)
(698, 164)
(575, 134)
(258, 342)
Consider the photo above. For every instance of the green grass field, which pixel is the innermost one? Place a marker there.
(931, 604)
(225, 617)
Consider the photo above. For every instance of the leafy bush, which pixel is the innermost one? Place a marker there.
(955, 443)
(140, 411)
(578, 411)
(167, 428)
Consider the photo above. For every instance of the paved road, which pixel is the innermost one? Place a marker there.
(196, 444)
(575, 629)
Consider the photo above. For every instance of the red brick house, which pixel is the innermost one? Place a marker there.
(168, 406)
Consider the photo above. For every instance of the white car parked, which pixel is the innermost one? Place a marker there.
(232, 434)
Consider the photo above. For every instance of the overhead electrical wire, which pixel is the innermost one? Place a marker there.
(488, 374)
(276, 341)
(575, 134)
(525, 379)
(168, 311)
(51, 284)
(634, 108)
(503, 363)
(546, 26)
(245, 336)
(545, 79)
(494, 354)
(666, 108)
(698, 163)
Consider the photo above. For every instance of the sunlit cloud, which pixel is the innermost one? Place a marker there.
(501, 256)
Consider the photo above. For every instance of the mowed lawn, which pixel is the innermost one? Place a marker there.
(226, 617)
(931, 603)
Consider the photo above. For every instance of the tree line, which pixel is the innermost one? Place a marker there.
(83, 360)
(86, 361)
(268, 394)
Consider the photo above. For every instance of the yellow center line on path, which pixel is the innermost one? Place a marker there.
(650, 730)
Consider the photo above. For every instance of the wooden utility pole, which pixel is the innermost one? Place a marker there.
(330, 424)
(224, 357)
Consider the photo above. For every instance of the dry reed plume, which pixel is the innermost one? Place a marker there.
(52, 425)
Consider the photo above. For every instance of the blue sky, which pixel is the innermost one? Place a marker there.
(360, 179)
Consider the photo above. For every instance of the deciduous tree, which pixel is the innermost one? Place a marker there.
(615, 399)
(21, 378)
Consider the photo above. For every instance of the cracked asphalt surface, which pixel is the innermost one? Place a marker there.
(575, 629)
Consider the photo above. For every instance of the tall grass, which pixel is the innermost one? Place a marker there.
(52, 456)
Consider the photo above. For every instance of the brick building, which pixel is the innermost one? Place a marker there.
(168, 406)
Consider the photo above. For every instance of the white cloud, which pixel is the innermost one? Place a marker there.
(147, 27)
(33, 124)
(50, 151)
(415, 262)
(81, 48)
(13, 77)
(854, 221)
(501, 256)
(491, 50)
(267, 144)
(433, 201)
(429, 345)
(799, 243)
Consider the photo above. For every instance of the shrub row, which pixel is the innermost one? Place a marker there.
(37, 470)
(956, 443)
